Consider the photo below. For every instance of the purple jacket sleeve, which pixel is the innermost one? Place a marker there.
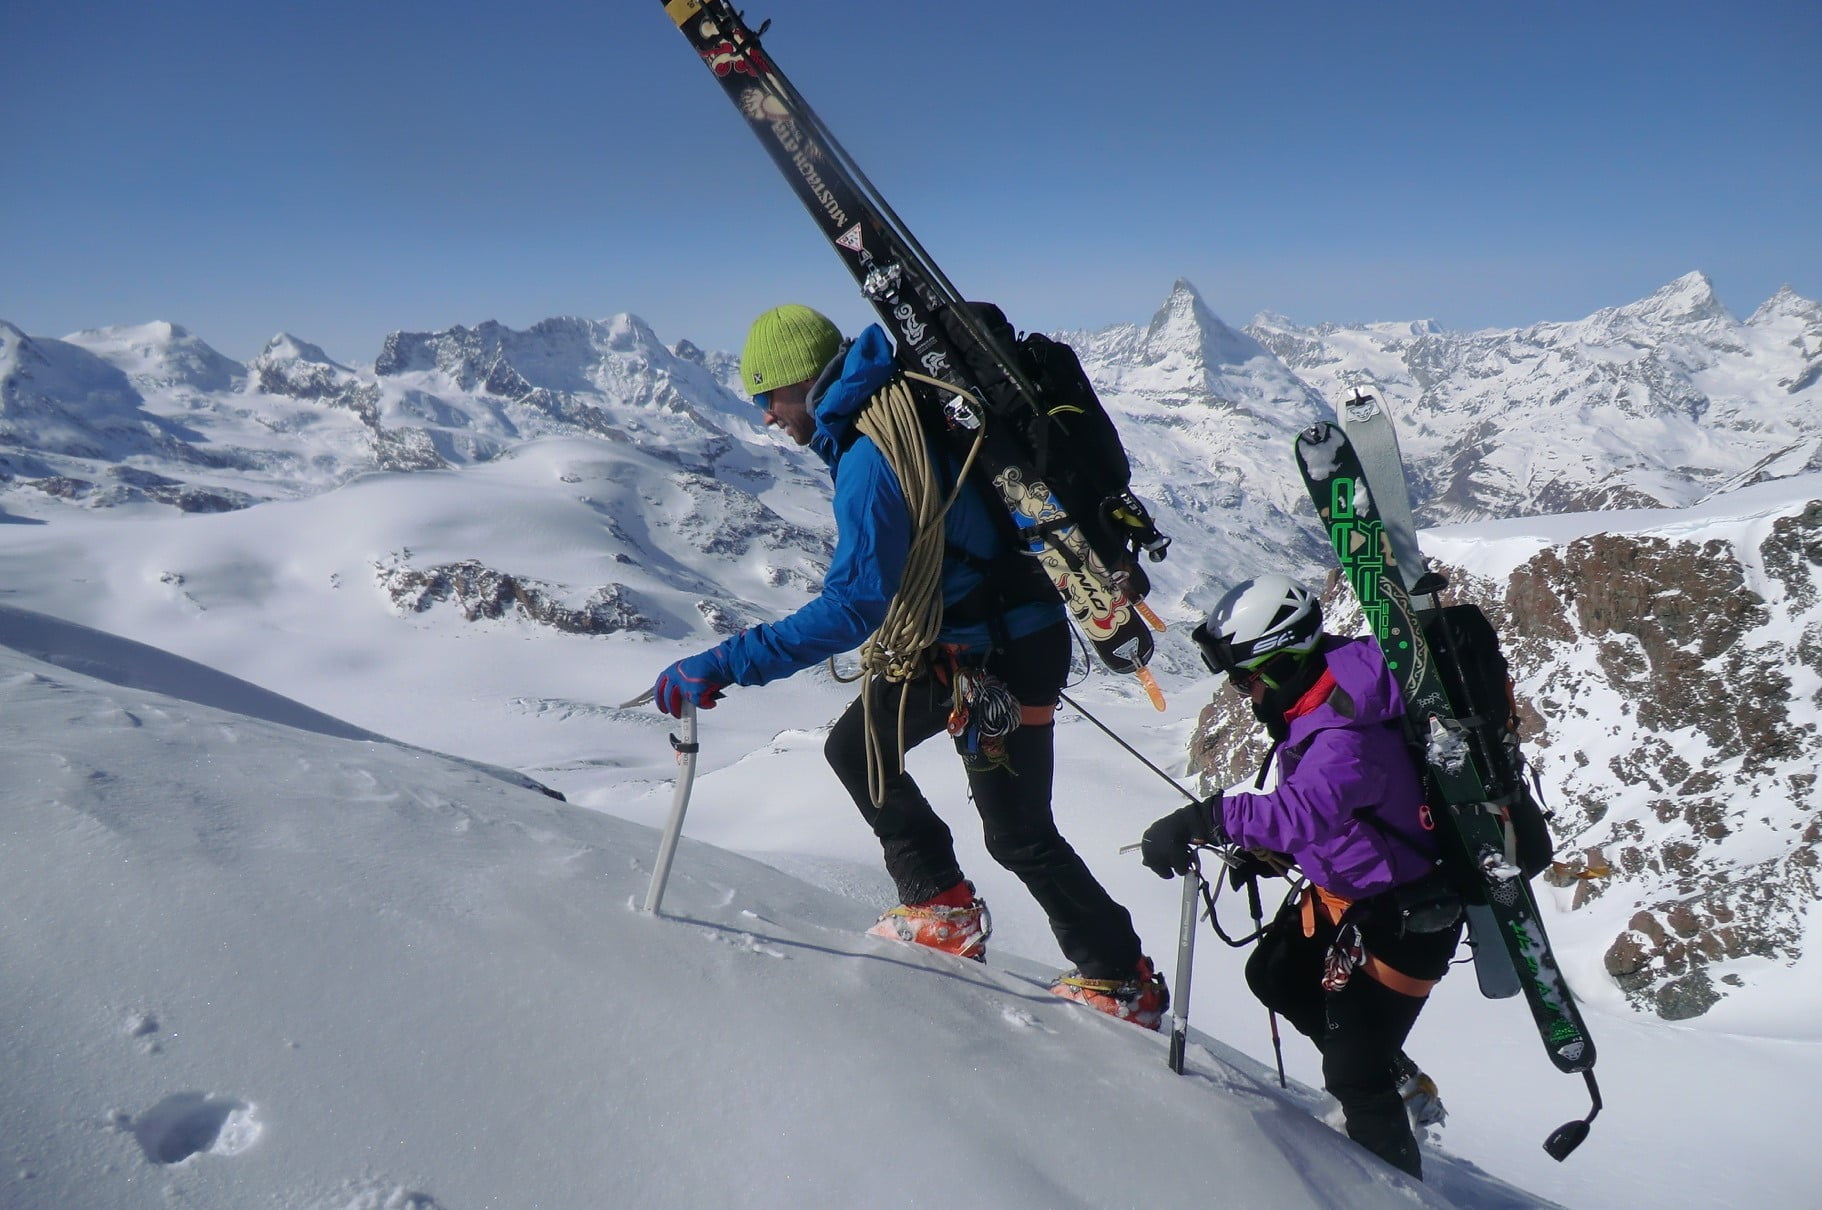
(1313, 802)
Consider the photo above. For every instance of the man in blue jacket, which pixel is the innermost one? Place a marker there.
(997, 669)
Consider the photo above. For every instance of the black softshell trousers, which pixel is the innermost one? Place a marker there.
(1093, 931)
(1359, 1028)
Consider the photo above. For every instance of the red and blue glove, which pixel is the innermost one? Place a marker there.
(697, 679)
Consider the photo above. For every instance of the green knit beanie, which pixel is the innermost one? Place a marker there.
(787, 345)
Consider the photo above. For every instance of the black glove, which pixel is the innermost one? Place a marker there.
(1246, 865)
(1166, 845)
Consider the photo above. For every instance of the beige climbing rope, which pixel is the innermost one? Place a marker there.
(915, 615)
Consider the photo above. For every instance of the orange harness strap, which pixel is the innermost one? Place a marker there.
(1397, 980)
(1332, 908)
(1037, 716)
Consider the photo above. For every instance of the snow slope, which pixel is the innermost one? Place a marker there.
(257, 964)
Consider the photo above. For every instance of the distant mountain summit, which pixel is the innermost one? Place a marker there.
(162, 355)
(59, 400)
(1687, 301)
(1187, 355)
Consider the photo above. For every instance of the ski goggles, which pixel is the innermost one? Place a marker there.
(1218, 656)
(1217, 653)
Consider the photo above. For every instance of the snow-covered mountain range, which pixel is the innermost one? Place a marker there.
(1656, 404)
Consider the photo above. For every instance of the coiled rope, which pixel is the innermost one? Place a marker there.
(915, 615)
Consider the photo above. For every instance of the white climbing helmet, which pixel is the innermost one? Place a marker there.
(1259, 619)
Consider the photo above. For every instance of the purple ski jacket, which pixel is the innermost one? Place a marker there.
(1348, 806)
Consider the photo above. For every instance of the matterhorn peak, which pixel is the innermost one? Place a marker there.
(1184, 305)
(1185, 326)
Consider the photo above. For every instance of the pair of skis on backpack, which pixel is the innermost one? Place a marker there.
(1356, 479)
(1023, 413)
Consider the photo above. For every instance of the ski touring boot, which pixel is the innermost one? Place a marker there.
(1141, 997)
(955, 922)
(1422, 1102)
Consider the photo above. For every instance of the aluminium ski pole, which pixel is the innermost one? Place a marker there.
(1252, 902)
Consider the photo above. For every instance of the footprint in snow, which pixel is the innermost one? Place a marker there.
(747, 942)
(189, 1123)
(1012, 1014)
(143, 1026)
(372, 1194)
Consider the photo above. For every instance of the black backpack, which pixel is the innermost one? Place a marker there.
(1068, 438)
(1478, 680)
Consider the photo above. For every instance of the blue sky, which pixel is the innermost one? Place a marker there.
(341, 170)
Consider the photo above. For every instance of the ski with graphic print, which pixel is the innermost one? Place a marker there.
(1090, 559)
(1475, 834)
(1370, 431)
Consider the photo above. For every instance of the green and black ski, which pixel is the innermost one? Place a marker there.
(939, 336)
(1474, 833)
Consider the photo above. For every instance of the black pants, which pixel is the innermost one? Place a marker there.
(1012, 797)
(1359, 1028)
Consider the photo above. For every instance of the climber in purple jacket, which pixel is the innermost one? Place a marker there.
(1350, 961)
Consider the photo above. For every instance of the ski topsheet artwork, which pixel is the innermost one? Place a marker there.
(1374, 438)
(1476, 835)
(1090, 553)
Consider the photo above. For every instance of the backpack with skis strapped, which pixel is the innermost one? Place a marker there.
(1068, 437)
(1478, 682)
(1040, 436)
(1453, 679)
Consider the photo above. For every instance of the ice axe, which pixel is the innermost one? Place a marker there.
(1195, 889)
(686, 749)
(1186, 953)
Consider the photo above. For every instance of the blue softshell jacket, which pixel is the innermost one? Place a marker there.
(873, 540)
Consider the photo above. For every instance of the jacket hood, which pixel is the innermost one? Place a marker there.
(865, 366)
(1366, 693)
